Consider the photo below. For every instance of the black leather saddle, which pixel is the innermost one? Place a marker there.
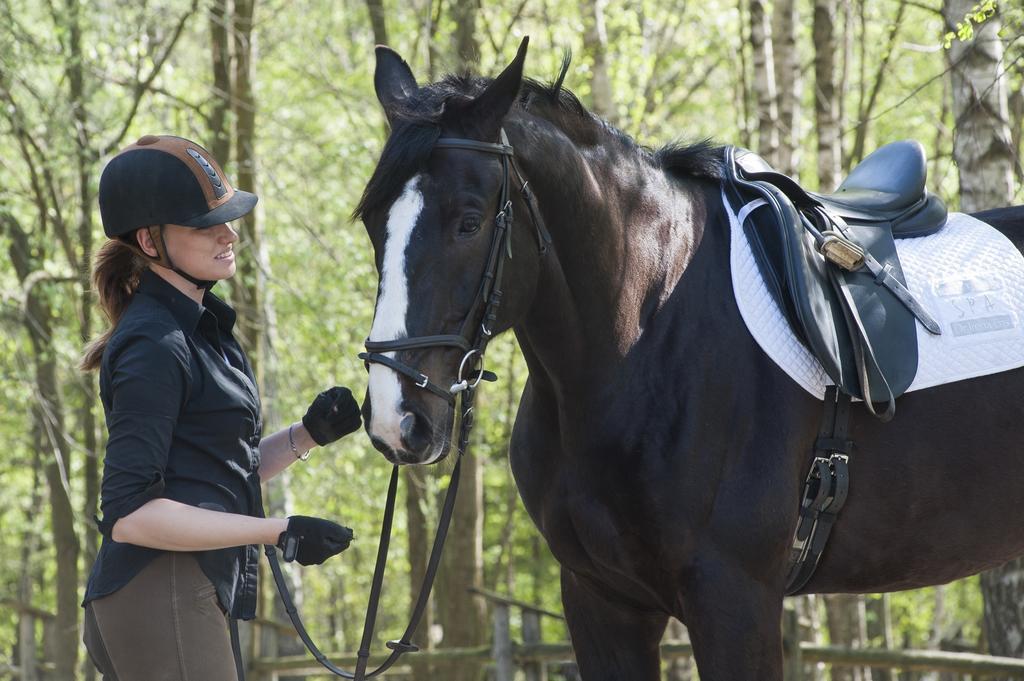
(830, 263)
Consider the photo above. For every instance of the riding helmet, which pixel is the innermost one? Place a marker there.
(162, 179)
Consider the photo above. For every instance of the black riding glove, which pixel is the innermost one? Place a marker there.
(311, 541)
(333, 415)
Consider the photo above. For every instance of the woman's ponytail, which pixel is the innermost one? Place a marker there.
(115, 276)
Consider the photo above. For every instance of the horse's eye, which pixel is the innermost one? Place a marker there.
(470, 224)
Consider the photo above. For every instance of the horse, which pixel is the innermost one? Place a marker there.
(657, 449)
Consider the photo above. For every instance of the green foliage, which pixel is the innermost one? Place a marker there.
(974, 17)
(676, 72)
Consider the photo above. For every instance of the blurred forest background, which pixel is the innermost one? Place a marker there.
(281, 92)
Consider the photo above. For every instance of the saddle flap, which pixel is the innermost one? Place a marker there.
(887, 327)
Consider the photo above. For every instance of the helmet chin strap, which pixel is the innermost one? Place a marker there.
(156, 233)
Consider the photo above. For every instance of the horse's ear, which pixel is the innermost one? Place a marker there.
(489, 107)
(392, 79)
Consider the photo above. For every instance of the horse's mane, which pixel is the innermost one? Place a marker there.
(416, 125)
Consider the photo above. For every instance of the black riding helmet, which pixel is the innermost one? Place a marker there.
(160, 180)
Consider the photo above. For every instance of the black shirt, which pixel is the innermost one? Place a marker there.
(183, 414)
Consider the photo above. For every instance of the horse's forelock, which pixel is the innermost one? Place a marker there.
(416, 125)
(405, 153)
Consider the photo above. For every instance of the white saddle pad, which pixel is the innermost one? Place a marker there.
(967, 275)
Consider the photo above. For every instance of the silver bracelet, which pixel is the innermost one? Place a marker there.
(295, 450)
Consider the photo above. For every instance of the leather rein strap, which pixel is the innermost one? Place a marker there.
(488, 299)
(403, 645)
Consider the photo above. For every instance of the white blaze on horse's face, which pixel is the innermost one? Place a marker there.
(389, 316)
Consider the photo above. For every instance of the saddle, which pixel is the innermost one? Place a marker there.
(830, 263)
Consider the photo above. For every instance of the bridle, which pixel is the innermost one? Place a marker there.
(476, 329)
(474, 334)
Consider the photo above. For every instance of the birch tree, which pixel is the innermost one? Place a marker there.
(785, 19)
(983, 152)
(982, 144)
(763, 82)
(595, 46)
(826, 110)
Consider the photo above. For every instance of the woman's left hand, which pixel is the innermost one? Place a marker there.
(333, 415)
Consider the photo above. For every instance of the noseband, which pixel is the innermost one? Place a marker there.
(477, 328)
(472, 339)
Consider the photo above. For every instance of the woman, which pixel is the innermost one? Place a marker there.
(181, 502)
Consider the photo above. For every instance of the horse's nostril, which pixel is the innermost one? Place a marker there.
(415, 431)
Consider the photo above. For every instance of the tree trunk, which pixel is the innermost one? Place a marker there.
(846, 626)
(380, 29)
(982, 146)
(48, 417)
(463, 618)
(26, 658)
(808, 610)
(245, 286)
(595, 47)
(764, 82)
(844, 79)
(1003, 591)
(743, 88)
(881, 628)
(414, 478)
(940, 156)
(220, 97)
(1017, 127)
(256, 319)
(416, 499)
(785, 19)
(464, 42)
(85, 158)
(826, 112)
(433, 18)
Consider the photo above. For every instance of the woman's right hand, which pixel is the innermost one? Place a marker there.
(311, 541)
(333, 415)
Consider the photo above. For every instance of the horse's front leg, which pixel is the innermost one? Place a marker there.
(735, 625)
(612, 641)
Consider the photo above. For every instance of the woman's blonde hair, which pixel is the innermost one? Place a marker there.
(115, 277)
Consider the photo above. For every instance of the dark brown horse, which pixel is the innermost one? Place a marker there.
(658, 450)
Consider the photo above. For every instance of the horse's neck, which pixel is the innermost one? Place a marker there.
(623, 236)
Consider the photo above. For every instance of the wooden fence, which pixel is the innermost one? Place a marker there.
(531, 659)
(31, 663)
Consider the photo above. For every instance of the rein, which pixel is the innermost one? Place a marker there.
(471, 372)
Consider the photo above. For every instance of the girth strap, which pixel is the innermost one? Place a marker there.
(825, 491)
